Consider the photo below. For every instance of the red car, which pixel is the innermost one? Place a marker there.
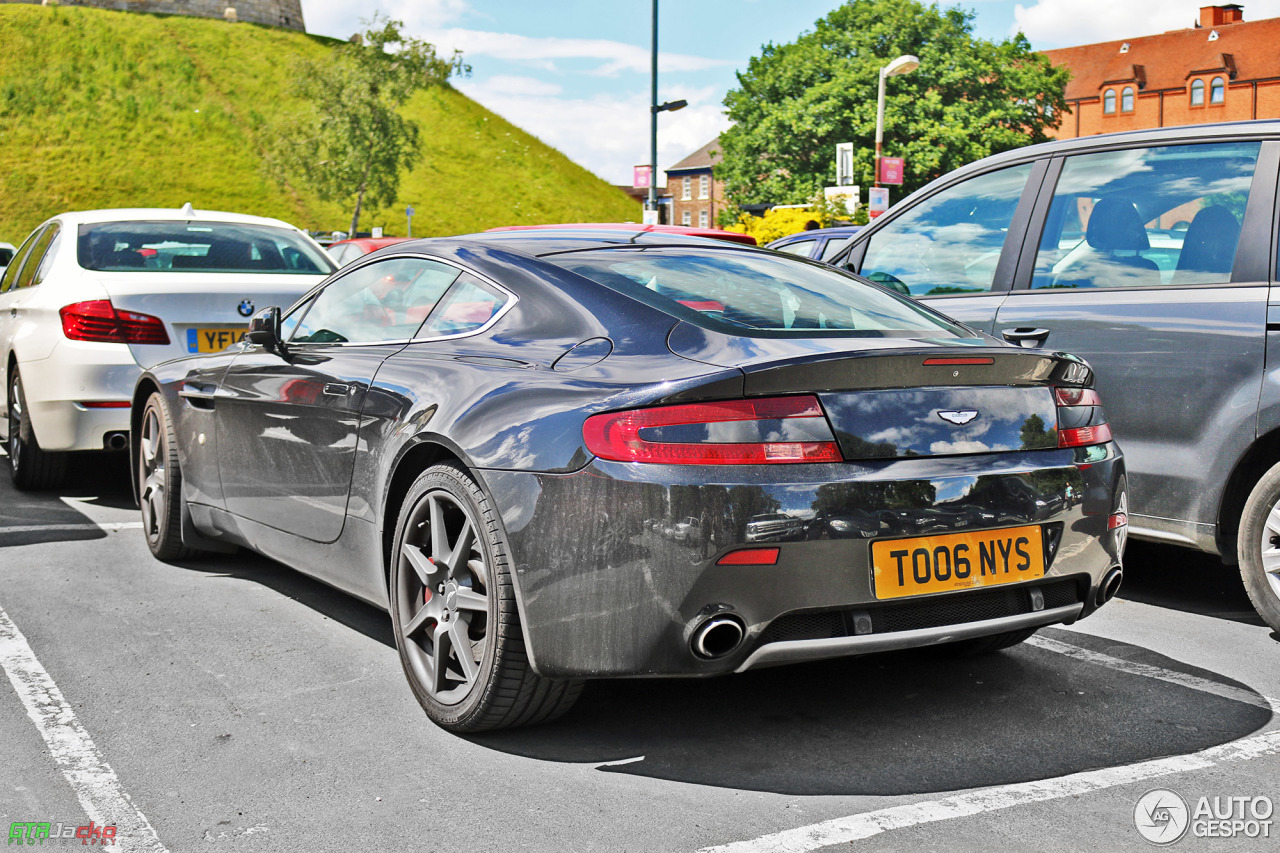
(714, 233)
(345, 251)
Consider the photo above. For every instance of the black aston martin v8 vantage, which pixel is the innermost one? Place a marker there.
(562, 455)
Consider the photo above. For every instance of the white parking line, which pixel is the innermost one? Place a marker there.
(856, 827)
(106, 527)
(96, 785)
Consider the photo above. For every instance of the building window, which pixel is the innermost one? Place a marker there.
(704, 186)
(703, 219)
(1126, 100)
(686, 189)
(686, 218)
(1217, 91)
(1197, 93)
(1109, 102)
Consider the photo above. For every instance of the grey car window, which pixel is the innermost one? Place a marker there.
(951, 241)
(1146, 217)
(383, 301)
(833, 247)
(799, 247)
(35, 261)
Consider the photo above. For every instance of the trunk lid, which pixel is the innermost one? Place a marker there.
(896, 397)
(202, 312)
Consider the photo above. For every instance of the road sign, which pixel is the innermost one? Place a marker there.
(891, 170)
(877, 201)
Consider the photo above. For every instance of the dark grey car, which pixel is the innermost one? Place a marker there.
(1152, 255)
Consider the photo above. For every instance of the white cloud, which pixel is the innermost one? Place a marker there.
(615, 56)
(341, 18)
(607, 134)
(1063, 23)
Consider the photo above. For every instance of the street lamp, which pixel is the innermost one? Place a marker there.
(654, 109)
(904, 64)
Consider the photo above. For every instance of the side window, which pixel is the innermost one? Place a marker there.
(951, 241)
(289, 322)
(383, 301)
(833, 247)
(36, 262)
(798, 247)
(42, 269)
(1146, 217)
(14, 269)
(468, 305)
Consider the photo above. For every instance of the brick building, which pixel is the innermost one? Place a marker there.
(1222, 69)
(697, 197)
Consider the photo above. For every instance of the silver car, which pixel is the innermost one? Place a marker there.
(1151, 254)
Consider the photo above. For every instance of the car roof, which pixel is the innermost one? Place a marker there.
(370, 242)
(818, 233)
(689, 230)
(568, 238)
(166, 214)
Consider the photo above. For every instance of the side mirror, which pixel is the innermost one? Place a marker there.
(264, 328)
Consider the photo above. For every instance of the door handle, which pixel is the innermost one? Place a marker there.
(337, 389)
(1025, 337)
(13, 310)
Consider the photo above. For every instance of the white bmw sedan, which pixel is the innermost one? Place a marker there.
(92, 298)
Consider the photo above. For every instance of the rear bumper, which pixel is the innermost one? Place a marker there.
(75, 373)
(602, 594)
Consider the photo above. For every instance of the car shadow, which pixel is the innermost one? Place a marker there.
(890, 725)
(37, 517)
(1189, 581)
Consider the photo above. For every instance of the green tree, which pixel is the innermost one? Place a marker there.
(968, 99)
(1035, 435)
(351, 143)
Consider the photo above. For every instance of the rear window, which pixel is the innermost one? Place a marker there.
(6, 255)
(222, 247)
(755, 293)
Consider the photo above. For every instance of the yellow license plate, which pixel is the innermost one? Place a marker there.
(213, 340)
(956, 561)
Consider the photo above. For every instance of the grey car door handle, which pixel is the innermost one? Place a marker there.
(1026, 338)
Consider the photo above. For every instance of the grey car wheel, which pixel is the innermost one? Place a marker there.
(160, 484)
(454, 612)
(30, 466)
(1258, 545)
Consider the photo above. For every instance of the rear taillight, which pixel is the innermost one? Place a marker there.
(102, 322)
(734, 432)
(1081, 420)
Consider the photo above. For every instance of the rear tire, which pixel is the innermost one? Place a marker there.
(453, 608)
(160, 484)
(1258, 545)
(29, 465)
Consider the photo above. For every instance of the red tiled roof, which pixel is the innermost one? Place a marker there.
(704, 158)
(1168, 59)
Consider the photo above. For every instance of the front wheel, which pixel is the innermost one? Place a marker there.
(160, 484)
(30, 466)
(1258, 545)
(453, 609)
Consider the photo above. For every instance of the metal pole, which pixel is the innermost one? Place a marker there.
(879, 125)
(653, 116)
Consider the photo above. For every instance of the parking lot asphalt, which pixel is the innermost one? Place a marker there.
(233, 701)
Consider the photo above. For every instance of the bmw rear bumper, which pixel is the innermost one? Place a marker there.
(601, 594)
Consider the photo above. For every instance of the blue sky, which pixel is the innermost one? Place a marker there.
(575, 73)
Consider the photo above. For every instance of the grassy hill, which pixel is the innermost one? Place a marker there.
(113, 109)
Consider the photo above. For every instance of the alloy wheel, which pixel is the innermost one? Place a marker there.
(1270, 548)
(154, 479)
(443, 597)
(15, 422)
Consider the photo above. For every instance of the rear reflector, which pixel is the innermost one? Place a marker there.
(735, 432)
(101, 322)
(930, 362)
(105, 404)
(1077, 397)
(1082, 436)
(750, 557)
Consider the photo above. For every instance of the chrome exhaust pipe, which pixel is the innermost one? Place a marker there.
(117, 441)
(718, 636)
(1110, 586)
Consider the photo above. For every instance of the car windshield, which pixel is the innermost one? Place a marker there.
(195, 247)
(754, 293)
